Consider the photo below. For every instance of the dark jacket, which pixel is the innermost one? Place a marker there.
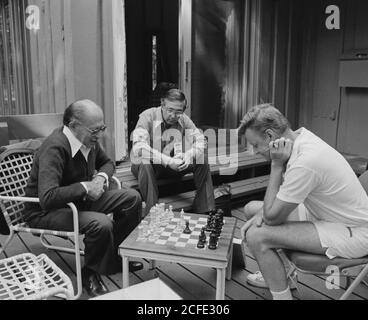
(55, 176)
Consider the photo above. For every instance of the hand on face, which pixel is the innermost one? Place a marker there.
(280, 151)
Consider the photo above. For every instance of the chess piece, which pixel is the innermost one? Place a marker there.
(200, 244)
(187, 229)
(182, 219)
(202, 239)
(203, 236)
(213, 241)
(217, 226)
(220, 215)
(210, 219)
(171, 213)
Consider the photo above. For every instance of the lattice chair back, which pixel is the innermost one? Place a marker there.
(15, 168)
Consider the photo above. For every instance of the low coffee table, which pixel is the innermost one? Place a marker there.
(184, 250)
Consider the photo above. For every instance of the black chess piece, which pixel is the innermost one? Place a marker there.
(187, 229)
(202, 239)
(213, 241)
(200, 244)
(219, 217)
(210, 219)
(217, 231)
(203, 236)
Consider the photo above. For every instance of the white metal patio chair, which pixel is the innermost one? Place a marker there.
(15, 167)
(320, 264)
(27, 277)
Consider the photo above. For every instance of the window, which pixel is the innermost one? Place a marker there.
(13, 54)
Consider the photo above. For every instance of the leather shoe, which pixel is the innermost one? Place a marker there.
(94, 285)
(135, 266)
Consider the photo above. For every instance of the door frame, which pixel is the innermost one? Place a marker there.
(185, 50)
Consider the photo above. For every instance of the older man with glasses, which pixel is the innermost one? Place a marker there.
(71, 166)
(167, 144)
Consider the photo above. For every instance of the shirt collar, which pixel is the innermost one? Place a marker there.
(159, 120)
(75, 144)
(295, 150)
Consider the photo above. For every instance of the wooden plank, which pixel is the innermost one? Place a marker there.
(190, 282)
(239, 189)
(6, 59)
(169, 279)
(42, 61)
(192, 286)
(57, 44)
(234, 290)
(245, 160)
(69, 65)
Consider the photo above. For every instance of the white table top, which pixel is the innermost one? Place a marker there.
(154, 289)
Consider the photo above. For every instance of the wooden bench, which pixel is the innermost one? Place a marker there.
(246, 160)
(241, 188)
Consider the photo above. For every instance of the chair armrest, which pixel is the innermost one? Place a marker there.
(72, 206)
(117, 181)
(20, 199)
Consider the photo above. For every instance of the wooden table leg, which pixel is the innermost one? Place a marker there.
(125, 271)
(220, 285)
(152, 264)
(229, 268)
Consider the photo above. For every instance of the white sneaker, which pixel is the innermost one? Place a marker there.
(256, 279)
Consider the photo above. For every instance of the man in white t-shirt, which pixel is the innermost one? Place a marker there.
(310, 180)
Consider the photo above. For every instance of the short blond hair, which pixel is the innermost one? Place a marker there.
(263, 117)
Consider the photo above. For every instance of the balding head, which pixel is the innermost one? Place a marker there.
(82, 117)
(85, 111)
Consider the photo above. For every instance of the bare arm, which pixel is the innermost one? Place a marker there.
(275, 211)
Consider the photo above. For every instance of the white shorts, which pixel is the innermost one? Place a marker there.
(337, 238)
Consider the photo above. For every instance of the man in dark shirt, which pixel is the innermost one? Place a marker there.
(71, 166)
(166, 143)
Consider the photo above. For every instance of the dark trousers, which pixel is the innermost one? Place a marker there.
(147, 175)
(102, 234)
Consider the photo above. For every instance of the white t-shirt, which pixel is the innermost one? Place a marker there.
(320, 177)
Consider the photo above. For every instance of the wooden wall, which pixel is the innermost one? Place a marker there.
(275, 66)
(50, 50)
(338, 115)
(79, 53)
(353, 129)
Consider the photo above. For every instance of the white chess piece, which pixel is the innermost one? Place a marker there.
(171, 213)
(182, 219)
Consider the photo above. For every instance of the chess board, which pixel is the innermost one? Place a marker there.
(169, 236)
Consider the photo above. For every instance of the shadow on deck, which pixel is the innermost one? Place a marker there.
(190, 282)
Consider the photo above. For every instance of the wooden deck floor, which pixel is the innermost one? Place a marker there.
(190, 282)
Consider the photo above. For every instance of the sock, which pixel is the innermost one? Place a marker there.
(282, 295)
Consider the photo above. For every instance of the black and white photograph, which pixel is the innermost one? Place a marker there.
(183, 155)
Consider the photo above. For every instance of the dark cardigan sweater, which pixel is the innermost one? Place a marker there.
(55, 176)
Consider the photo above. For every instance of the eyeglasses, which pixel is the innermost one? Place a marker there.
(175, 112)
(96, 131)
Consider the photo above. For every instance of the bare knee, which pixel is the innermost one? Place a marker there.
(252, 208)
(257, 239)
